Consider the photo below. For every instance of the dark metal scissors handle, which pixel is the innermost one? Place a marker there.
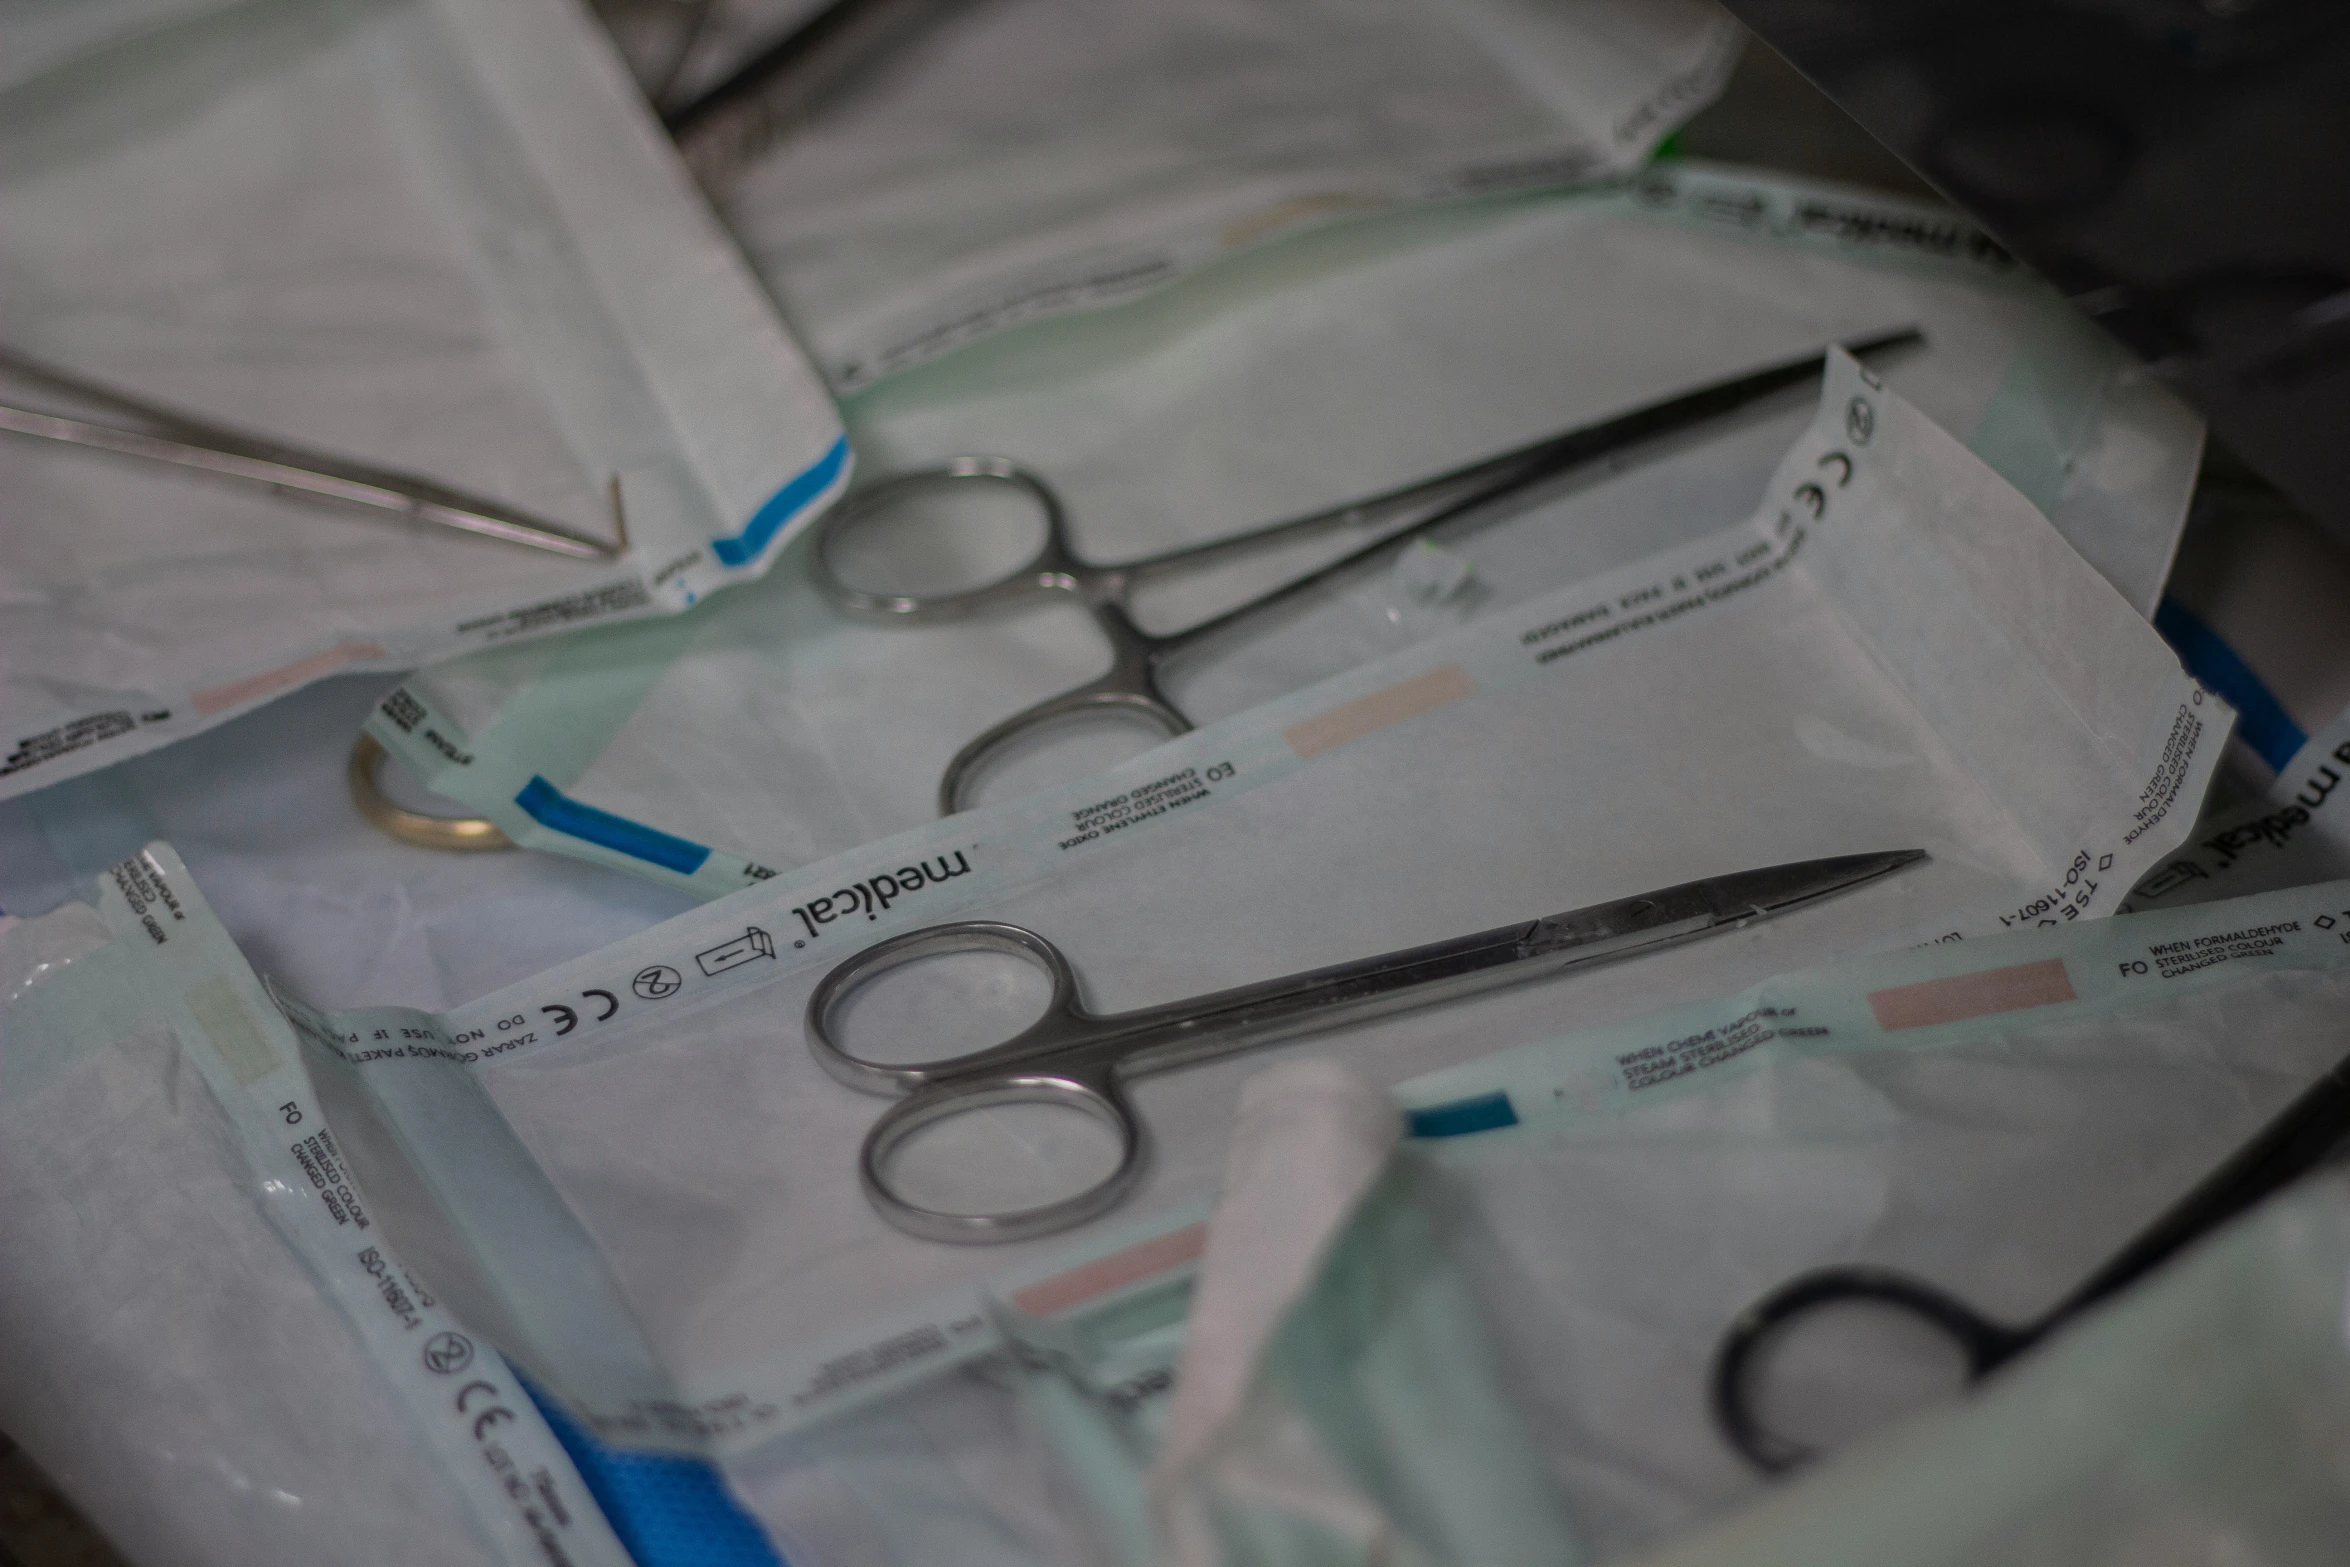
(2304, 1134)
(1131, 687)
(1985, 1344)
(1072, 1057)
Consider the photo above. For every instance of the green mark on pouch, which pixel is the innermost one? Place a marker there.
(2045, 411)
(233, 1032)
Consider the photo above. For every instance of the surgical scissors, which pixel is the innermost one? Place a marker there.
(190, 442)
(2305, 1134)
(1079, 1059)
(1131, 687)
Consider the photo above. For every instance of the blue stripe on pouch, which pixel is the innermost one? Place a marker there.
(782, 507)
(2261, 720)
(547, 805)
(1485, 1113)
(669, 1511)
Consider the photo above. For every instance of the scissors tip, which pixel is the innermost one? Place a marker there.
(1848, 869)
(1783, 887)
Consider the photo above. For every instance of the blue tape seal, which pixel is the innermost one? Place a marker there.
(782, 507)
(2261, 720)
(547, 805)
(1484, 1113)
(669, 1511)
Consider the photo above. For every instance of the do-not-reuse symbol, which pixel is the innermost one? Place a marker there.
(658, 981)
(448, 1353)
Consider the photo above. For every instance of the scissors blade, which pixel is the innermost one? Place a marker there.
(1464, 490)
(187, 441)
(1155, 1038)
(1694, 907)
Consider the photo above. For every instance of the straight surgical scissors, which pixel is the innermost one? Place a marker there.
(189, 442)
(1131, 687)
(1079, 1059)
(2305, 1134)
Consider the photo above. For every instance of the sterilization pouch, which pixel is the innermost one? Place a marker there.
(1997, 1118)
(1031, 157)
(212, 1347)
(1337, 1398)
(769, 730)
(1590, 1214)
(438, 236)
(633, 1175)
(1304, 1379)
(2203, 1419)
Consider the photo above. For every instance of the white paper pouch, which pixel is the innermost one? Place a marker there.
(2202, 1418)
(1027, 158)
(634, 1175)
(1330, 1398)
(1350, 1411)
(437, 236)
(1994, 1118)
(213, 1350)
(773, 730)
(1337, 1399)
(1590, 1214)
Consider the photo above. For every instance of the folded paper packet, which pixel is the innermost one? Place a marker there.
(216, 1353)
(632, 1175)
(1303, 1378)
(997, 164)
(2197, 1416)
(437, 236)
(772, 731)
(1997, 1118)
(1492, 1343)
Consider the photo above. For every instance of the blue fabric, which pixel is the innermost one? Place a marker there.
(2261, 720)
(782, 507)
(547, 805)
(1485, 1113)
(668, 1511)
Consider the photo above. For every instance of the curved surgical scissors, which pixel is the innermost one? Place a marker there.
(2303, 1135)
(1131, 686)
(1080, 1059)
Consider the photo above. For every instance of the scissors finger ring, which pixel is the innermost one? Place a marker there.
(1984, 1344)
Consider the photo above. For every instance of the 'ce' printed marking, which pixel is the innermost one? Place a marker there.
(1817, 498)
(491, 1416)
(569, 1016)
